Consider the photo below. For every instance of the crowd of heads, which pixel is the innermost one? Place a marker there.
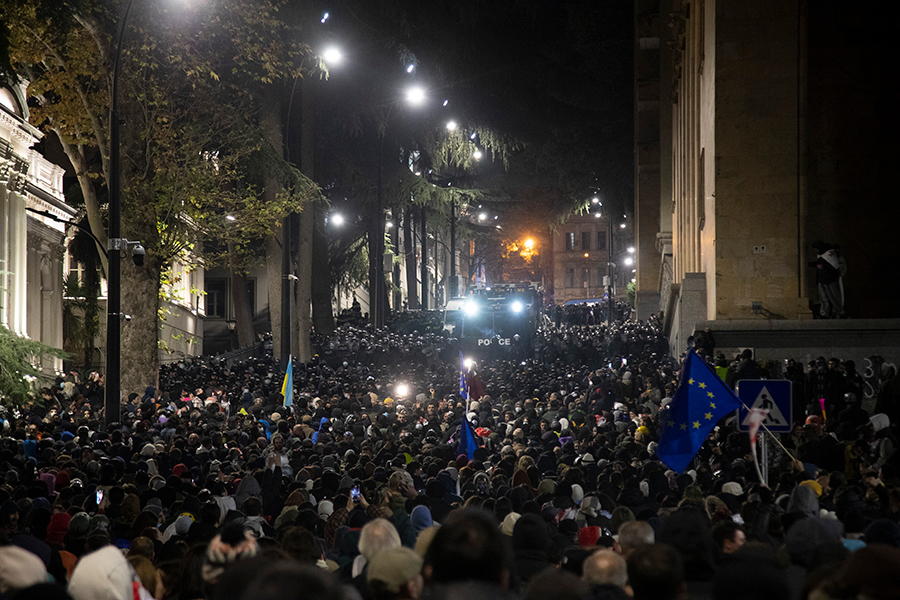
(210, 487)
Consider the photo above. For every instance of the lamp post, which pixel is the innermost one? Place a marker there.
(115, 244)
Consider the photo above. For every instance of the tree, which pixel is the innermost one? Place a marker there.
(193, 148)
(21, 367)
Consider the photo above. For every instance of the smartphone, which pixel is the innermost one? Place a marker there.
(99, 497)
(354, 493)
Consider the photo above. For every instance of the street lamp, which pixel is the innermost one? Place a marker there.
(451, 125)
(337, 219)
(477, 155)
(333, 56)
(415, 95)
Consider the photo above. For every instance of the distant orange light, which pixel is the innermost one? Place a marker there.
(586, 255)
(529, 244)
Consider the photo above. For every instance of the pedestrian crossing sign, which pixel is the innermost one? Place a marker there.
(772, 395)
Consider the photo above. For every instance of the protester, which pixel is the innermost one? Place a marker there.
(365, 488)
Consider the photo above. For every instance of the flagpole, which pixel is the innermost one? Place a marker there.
(763, 425)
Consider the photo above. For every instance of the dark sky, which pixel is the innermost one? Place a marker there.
(556, 75)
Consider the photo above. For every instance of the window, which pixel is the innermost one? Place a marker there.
(601, 273)
(570, 241)
(601, 240)
(585, 277)
(570, 276)
(216, 296)
(585, 240)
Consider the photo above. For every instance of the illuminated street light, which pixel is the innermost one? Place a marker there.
(325, 17)
(477, 155)
(628, 261)
(333, 56)
(529, 243)
(410, 68)
(622, 226)
(446, 102)
(451, 125)
(337, 219)
(587, 255)
(631, 249)
(595, 200)
(597, 215)
(415, 95)
(482, 217)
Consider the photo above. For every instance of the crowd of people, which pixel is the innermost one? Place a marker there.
(365, 487)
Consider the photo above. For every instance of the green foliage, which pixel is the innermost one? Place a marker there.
(20, 372)
(629, 294)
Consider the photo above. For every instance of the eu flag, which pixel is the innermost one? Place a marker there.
(463, 392)
(466, 439)
(287, 388)
(701, 400)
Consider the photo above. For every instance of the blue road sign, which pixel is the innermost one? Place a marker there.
(771, 394)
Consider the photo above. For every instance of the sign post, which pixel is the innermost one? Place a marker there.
(773, 396)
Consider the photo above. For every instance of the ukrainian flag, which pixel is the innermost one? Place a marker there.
(287, 388)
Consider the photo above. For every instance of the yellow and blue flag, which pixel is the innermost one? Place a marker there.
(287, 388)
(700, 401)
(463, 392)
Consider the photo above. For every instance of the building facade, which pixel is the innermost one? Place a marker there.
(32, 250)
(582, 248)
(760, 127)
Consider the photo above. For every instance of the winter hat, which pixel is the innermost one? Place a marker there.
(326, 507)
(57, 529)
(509, 523)
(232, 545)
(103, 575)
(393, 568)
(183, 524)
(577, 493)
(19, 569)
(813, 485)
(79, 524)
(880, 421)
(883, 531)
(588, 536)
(420, 518)
(733, 488)
(148, 450)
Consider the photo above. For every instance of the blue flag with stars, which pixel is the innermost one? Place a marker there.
(466, 443)
(701, 400)
(463, 392)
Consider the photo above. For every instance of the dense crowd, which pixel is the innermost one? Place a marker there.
(364, 487)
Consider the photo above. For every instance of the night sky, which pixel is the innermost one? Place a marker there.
(557, 76)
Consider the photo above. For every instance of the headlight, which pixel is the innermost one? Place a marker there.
(517, 307)
(470, 308)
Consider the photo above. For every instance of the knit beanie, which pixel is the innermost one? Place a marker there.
(234, 544)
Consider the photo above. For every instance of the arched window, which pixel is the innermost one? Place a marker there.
(10, 102)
